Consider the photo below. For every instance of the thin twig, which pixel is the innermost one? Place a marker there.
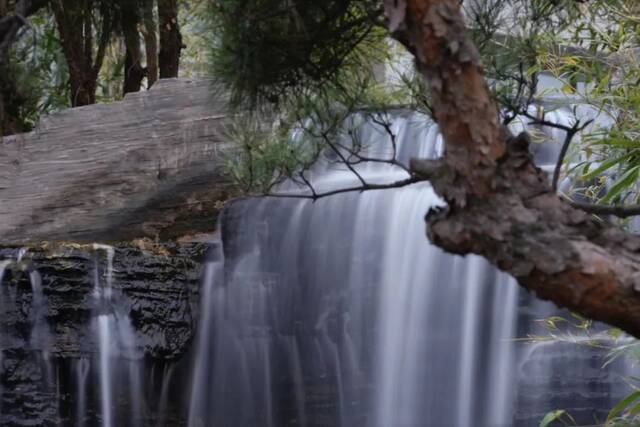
(308, 184)
(570, 132)
(342, 158)
(619, 211)
(360, 188)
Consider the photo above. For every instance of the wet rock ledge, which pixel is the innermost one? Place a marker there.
(155, 285)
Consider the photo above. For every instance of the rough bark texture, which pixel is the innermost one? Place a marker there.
(499, 204)
(74, 21)
(134, 72)
(149, 166)
(150, 42)
(170, 38)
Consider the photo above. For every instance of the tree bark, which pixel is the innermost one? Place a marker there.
(77, 44)
(500, 205)
(170, 38)
(150, 42)
(74, 21)
(134, 72)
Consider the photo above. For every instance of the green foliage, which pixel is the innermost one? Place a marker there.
(579, 331)
(559, 415)
(266, 155)
(34, 79)
(510, 35)
(197, 37)
(602, 68)
(268, 49)
(274, 53)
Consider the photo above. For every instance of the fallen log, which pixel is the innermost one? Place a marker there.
(148, 166)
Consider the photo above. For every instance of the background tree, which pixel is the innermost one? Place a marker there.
(103, 48)
(170, 38)
(130, 21)
(150, 41)
(79, 23)
(14, 93)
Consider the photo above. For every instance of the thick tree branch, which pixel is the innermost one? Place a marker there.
(500, 205)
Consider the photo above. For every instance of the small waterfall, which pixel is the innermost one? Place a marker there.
(82, 375)
(3, 267)
(88, 373)
(104, 334)
(340, 312)
(103, 295)
(116, 344)
(164, 396)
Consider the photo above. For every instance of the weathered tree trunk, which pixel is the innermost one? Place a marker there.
(149, 166)
(150, 42)
(499, 204)
(74, 20)
(134, 72)
(170, 38)
(74, 28)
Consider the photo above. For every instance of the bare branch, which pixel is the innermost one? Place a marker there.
(570, 133)
(359, 188)
(619, 211)
(342, 158)
(308, 184)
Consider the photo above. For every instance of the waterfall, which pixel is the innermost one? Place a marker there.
(82, 374)
(104, 298)
(116, 344)
(105, 369)
(340, 312)
(96, 374)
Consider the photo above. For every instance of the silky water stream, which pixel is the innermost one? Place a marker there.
(339, 312)
(336, 313)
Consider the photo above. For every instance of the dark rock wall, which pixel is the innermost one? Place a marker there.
(158, 287)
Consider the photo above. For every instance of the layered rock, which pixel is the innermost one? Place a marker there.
(157, 287)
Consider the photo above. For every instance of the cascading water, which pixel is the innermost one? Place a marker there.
(339, 312)
(336, 312)
(52, 380)
(115, 340)
(82, 375)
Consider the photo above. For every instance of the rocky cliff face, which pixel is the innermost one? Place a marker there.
(48, 335)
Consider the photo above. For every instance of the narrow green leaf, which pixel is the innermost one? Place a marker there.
(625, 181)
(620, 406)
(605, 165)
(551, 417)
(634, 409)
